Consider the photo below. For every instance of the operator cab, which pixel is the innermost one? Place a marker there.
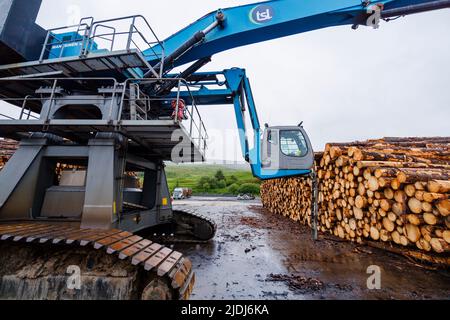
(287, 150)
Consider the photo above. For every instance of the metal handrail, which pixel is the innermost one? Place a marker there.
(132, 30)
(90, 34)
(51, 31)
(53, 93)
(192, 112)
(103, 36)
(119, 91)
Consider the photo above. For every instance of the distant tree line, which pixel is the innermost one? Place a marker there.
(230, 185)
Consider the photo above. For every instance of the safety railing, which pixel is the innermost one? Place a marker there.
(184, 113)
(135, 99)
(124, 33)
(59, 39)
(58, 90)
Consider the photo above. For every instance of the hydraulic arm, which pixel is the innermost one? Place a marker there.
(253, 23)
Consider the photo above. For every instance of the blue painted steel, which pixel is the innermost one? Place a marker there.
(268, 20)
(68, 44)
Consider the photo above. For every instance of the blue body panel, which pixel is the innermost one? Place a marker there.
(269, 20)
(68, 44)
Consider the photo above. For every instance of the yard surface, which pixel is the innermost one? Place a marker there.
(257, 255)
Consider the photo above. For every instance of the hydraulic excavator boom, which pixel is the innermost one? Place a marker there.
(253, 23)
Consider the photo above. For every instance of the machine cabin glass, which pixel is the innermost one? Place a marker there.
(287, 148)
(293, 143)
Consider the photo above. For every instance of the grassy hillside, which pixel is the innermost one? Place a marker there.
(202, 179)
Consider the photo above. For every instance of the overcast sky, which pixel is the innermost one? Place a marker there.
(344, 84)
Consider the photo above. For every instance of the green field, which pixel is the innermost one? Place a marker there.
(191, 176)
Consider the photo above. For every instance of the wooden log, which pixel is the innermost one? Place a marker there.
(415, 205)
(438, 186)
(399, 208)
(427, 207)
(431, 196)
(427, 232)
(423, 153)
(358, 213)
(410, 190)
(424, 245)
(443, 207)
(404, 241)
(373, 184)
(389, 193)
(396, 237)
(361, 202)
(386, 204)
(414, 175)
(385, 182)
(412, 232)
(374, 233)
(431, 219)
(400, 196)
(446, 236)
(440, 245)
(385, 236)
(402, 164)
(397, 140)
(414, 219)
(395, 184)
(388, 224)
(392, 216)
(376, 155)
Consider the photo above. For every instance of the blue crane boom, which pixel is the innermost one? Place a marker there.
(268, 20)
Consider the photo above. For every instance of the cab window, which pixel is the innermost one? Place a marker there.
(293, 143)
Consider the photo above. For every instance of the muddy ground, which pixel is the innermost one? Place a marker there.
(257, 255)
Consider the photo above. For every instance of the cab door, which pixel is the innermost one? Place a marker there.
(286, 148)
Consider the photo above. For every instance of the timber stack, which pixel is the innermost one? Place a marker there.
(392, 193)
(7, 149)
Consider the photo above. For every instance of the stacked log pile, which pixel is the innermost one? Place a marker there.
(392, 191)
(7, 149)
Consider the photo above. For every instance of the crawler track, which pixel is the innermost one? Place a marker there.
(165, 273)
(187, 227)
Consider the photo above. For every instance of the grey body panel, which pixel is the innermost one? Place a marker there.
(28, 190)
(99, 206)
(273, 157)
(64, 202)
(21, 38)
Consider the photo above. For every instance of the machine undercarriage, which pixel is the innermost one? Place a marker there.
(89, 174)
